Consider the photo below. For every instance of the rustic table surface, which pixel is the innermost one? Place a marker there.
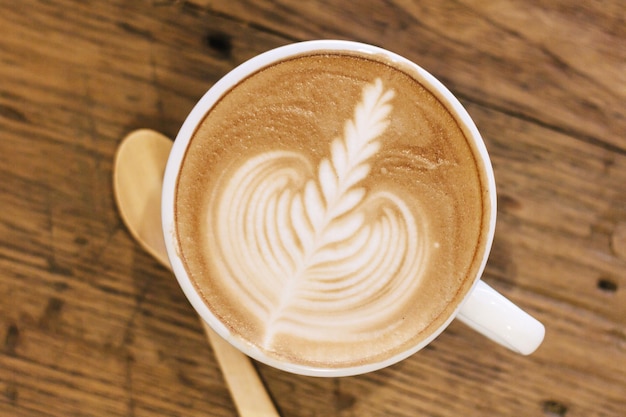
(90, 325)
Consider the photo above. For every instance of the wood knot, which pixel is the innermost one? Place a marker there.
(11, 339)
(606, 284)
(220, 43)
(554, 408)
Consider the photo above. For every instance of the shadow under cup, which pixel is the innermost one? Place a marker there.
(327, 207)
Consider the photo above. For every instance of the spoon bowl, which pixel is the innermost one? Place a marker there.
(137, 179)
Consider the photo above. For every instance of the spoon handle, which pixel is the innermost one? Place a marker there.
(244, 383)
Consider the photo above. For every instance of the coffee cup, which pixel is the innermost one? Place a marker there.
(328, 208)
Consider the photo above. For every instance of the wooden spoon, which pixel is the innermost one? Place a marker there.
(137, 179)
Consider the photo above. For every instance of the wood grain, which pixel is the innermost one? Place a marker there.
(92, 326)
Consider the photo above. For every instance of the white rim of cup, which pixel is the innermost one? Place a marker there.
(179, 148)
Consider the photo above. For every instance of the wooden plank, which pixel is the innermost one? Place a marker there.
(91, 326)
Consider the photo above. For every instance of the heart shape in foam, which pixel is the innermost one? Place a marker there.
(309, 251)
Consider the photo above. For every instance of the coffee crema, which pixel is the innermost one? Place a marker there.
(331, 211)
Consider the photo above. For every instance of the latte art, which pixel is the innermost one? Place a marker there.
(330, 211)
(307, 249)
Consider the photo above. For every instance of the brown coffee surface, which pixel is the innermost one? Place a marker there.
(331, 211)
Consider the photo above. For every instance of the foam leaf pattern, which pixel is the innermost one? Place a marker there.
(307, 248)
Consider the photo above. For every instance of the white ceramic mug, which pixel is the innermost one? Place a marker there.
(483, 309)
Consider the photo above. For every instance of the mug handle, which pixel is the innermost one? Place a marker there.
(494, 316)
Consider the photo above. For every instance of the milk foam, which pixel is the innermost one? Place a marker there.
(310, 251)
(328, 219)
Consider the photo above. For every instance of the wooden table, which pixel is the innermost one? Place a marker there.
(92, 326)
